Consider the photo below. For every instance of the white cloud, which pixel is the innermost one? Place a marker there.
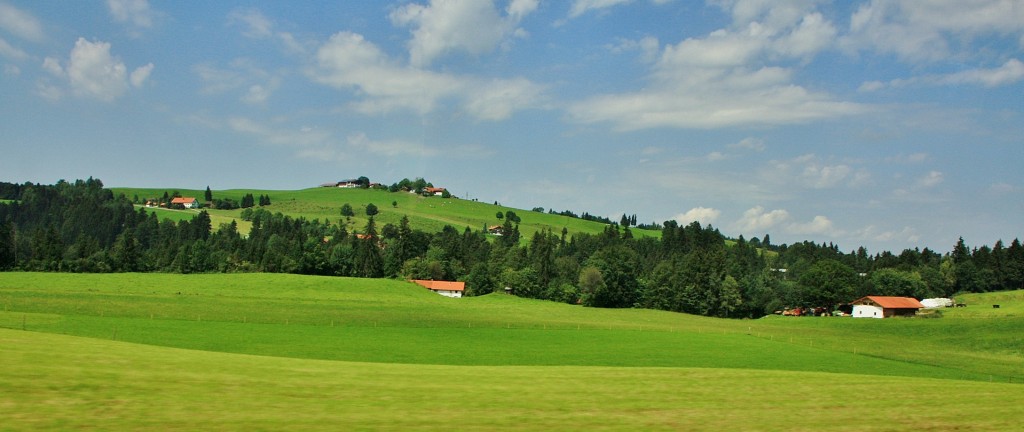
(304, 138)
(820, 225)
(348, 61)
(10, 51)
(1002, 188)
(809, 171)
(11, 70)
(444, 27)
(698, 214)
(216, 80)
(918, 31)
(93, 72)
(361, 144)
(519, 9)
(826, 176)
(20, 23)
(53, 66)
(580, 7)
(648, 47)
(1010, 72)
(749, 143)
(256, 85)
(756, 220)
(258, 26)
(731, 77)
(872, 233)
(134, 12)
(315, 143)
(48, 91)
(140, 74)
(932, 179)
(257, 94)
(716, 156)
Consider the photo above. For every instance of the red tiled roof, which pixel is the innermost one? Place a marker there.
(441, 285)
(893, 302)
(182, 200)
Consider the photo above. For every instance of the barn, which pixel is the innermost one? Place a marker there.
(445, 288)
(885, 307)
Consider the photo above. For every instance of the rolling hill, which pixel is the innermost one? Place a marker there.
(272, 351)
(429, 214)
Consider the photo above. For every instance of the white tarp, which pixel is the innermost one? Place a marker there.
(935, 303)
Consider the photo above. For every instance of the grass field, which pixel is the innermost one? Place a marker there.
(263, 351)
(429, 214)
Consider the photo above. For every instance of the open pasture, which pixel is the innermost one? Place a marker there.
(285, 352)
(58, 382)
(396, 322)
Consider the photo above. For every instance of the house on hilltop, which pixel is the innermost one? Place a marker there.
(445, 288)
(434, 191)
(187, 202)
(350, 183)
(885, 307)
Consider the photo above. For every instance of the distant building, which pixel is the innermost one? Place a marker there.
(187, 202)
(445, 288)
(434, 191)
(351, 183)
(885, 307)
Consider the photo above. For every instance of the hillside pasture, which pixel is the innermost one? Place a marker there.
(430, 214)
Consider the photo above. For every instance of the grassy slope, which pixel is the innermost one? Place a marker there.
(392, 321)
(429, 214)
(56, 382)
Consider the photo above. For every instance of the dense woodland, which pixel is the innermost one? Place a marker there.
(82, 227)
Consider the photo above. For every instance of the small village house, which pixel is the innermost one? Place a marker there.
(187, 202)
(885, 307)
(434, 191)
(445, 288)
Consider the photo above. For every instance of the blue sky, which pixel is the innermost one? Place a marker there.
(883, 123)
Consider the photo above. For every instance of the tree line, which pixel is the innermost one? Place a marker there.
(83, 227)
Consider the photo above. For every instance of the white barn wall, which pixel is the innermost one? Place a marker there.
(867, 311)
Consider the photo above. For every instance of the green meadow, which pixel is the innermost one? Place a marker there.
(429, 214)
(271, 352)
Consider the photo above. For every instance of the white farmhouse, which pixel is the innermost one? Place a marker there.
(885, 307)
(445, 288)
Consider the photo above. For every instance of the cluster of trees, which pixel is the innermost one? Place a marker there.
(419, 185)
(82, 227)
(585, 216)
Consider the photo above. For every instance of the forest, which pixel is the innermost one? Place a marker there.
(83, 227)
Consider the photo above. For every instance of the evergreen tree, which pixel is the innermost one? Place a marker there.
(368, 261)
(209, 195)
(126, 252)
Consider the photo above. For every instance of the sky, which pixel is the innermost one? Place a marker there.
(886, 124)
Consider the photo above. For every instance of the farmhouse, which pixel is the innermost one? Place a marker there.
(187, 202)
(434, 191)
(885, 307)
(445, 288)
(350, 183)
